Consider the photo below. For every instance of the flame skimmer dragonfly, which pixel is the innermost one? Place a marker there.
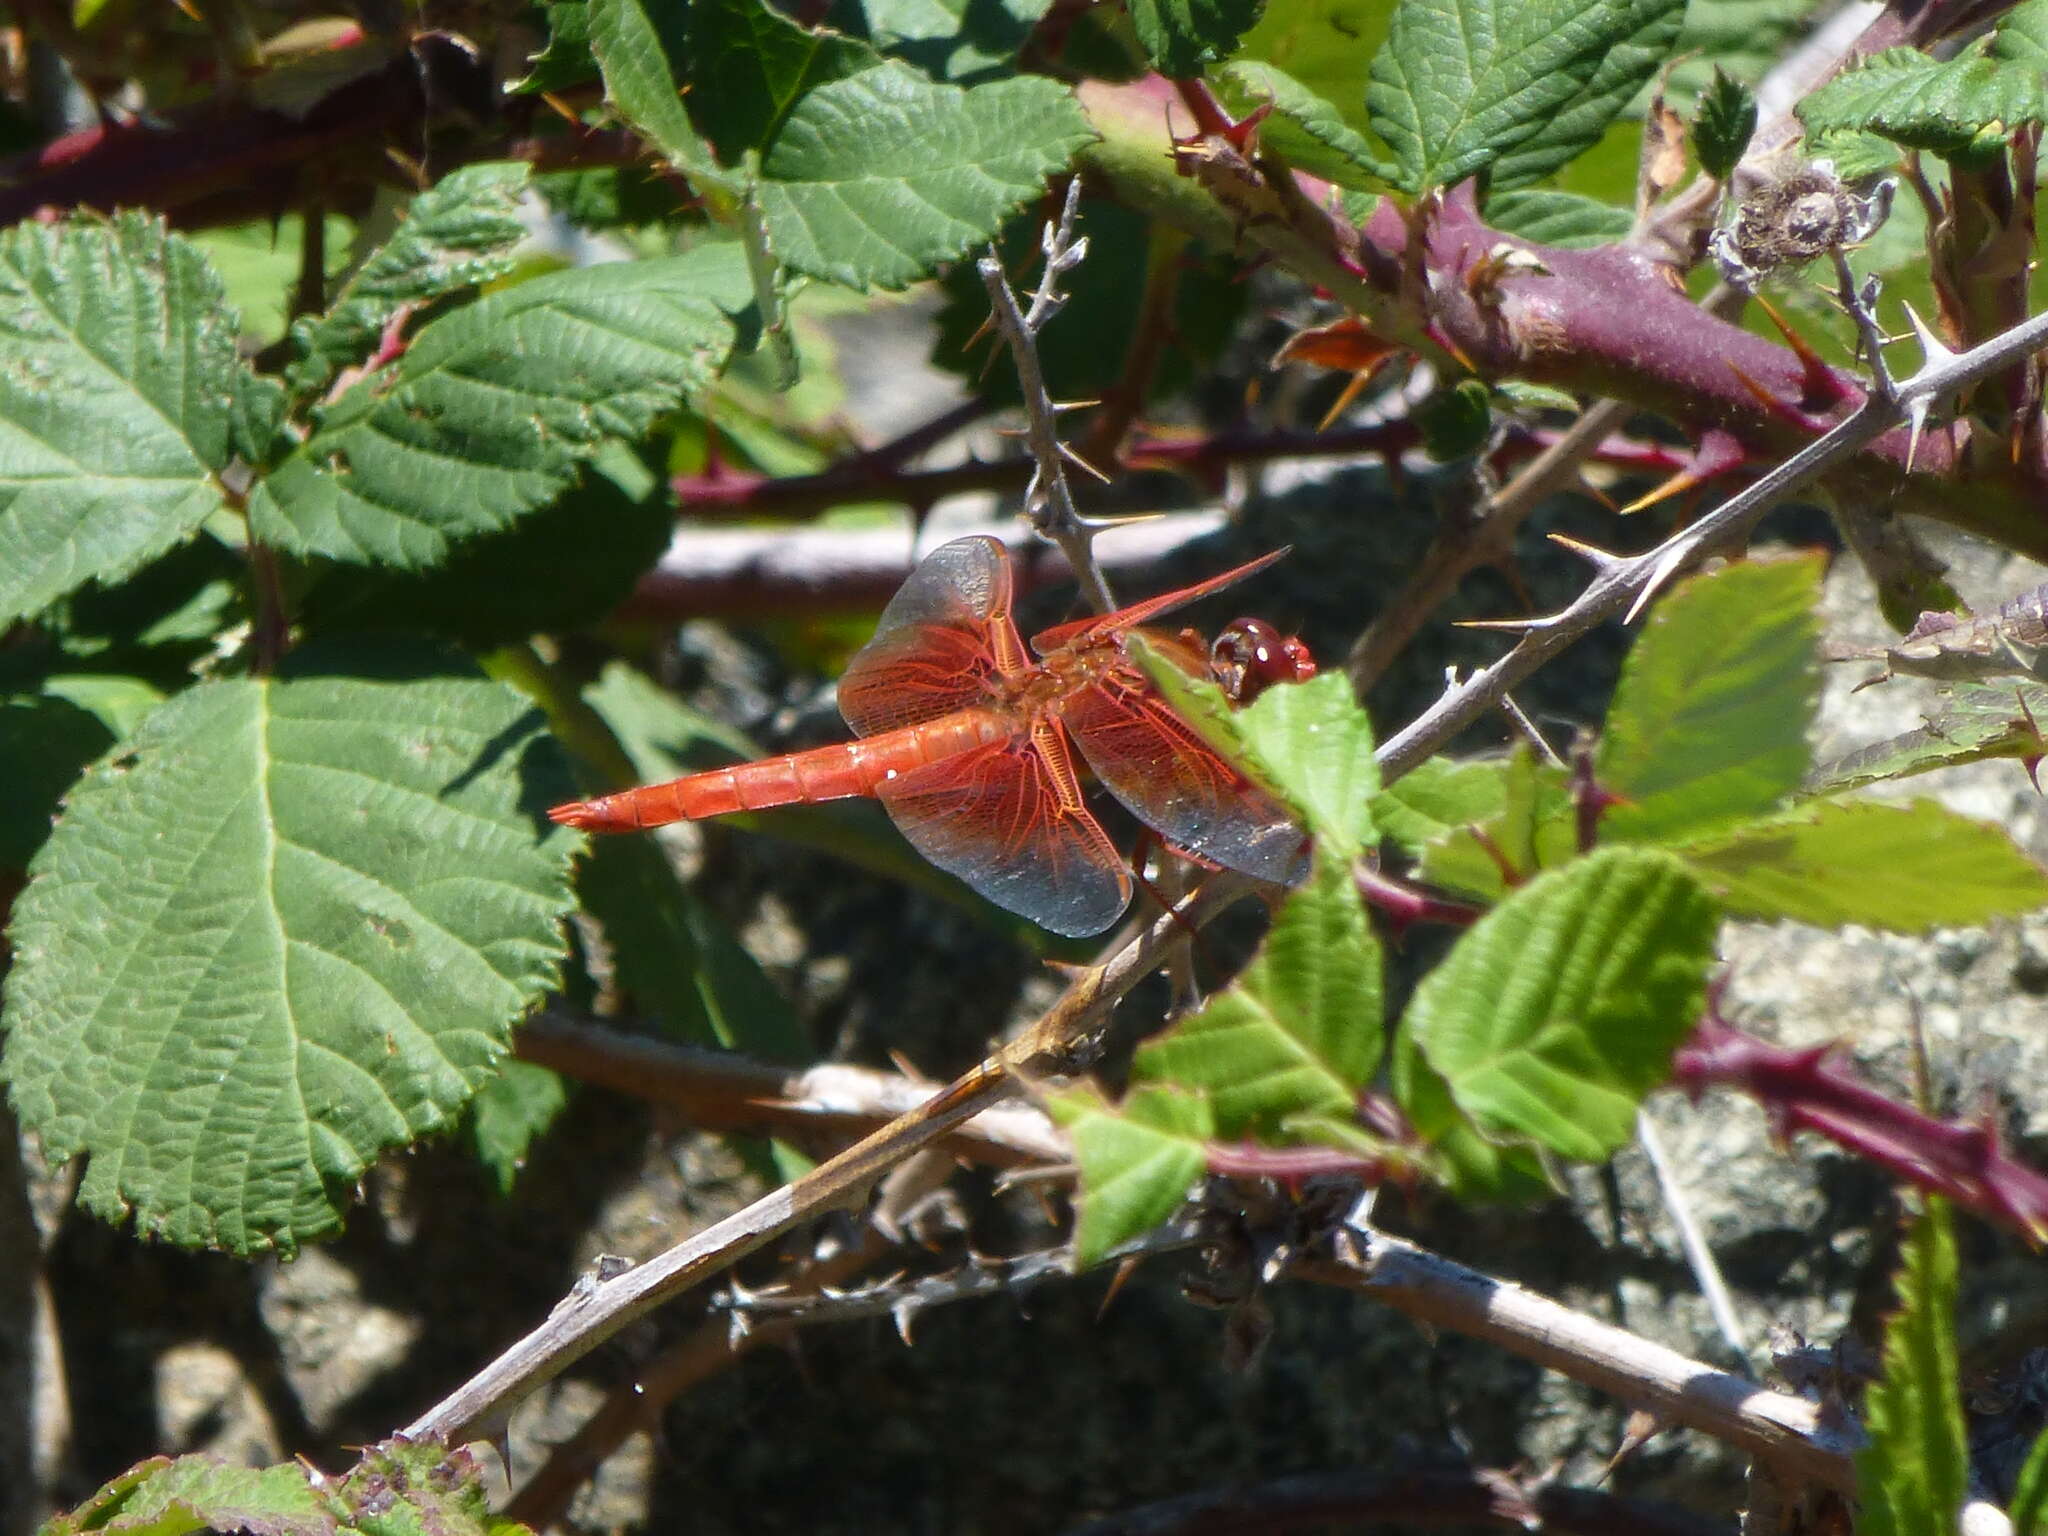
(964, 738)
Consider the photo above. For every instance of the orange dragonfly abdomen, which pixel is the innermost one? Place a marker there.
(837, 772)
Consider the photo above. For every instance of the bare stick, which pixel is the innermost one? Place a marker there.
(581, 1321)
(1048, 499)
(1784, 1431)
(1625, 584)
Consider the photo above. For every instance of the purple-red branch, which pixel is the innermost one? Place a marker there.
(1804, 1091)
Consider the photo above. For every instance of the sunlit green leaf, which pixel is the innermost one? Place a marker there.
(1913, 1474)
(1556, 1012)
(1906, 868)
(289, 925)
(1300, 1031)
(122, 400)
(1137, 1161)
(1709, 720)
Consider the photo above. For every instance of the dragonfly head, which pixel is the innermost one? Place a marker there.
(1251, 655)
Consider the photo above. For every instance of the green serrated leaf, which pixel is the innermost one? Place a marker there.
(1534, 829)
(1458, 84)
(1315, 754)
(1304, 130)
(45, 743)
(1904, 868)
(509, 1113)
(1913, 1475)
(2030, 1492)
(1313, 743)
(1723, 125)
(875, 180)
(1984, 720)
(1559, 1009)
(493, 408)
(121, 400)
(1472, 1165)
(639, 48)
(1709, 719)
(288, 926)
(1326, 48)
(677, 961)
(1137, 1161)
(1945, 107)
(166, 1497)
(750, 66)
(567, 565)
(958, 40)
(1299, 1032)
(458, 234)
(1646, 33)
(1438, 796)
(1550, 217)
(1180, 36)
(565, 61)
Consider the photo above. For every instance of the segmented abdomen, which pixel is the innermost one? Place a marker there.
(797, 778)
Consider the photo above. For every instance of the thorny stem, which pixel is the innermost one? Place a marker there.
(1048, 499)
(1484, 537)
(1803, 1090)
(1624, 585)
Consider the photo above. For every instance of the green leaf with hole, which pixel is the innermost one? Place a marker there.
(1907, 868)
(1914, 1473)
(1180, 36)
(875, 180)
(493, 409)
(288, 926)
(1138, 1160)
(1983, 720)
(458, 234)
(122, 399)
(1723, 125)
(1303, 129)
(1709, 721)
(1299, 1032)
(1556, 1012)
(1459, 84)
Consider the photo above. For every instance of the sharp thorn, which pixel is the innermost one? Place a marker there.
(1510, 626)
(1932, 348)
(1075, 459)
(1666, 567)
(1598, 558)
